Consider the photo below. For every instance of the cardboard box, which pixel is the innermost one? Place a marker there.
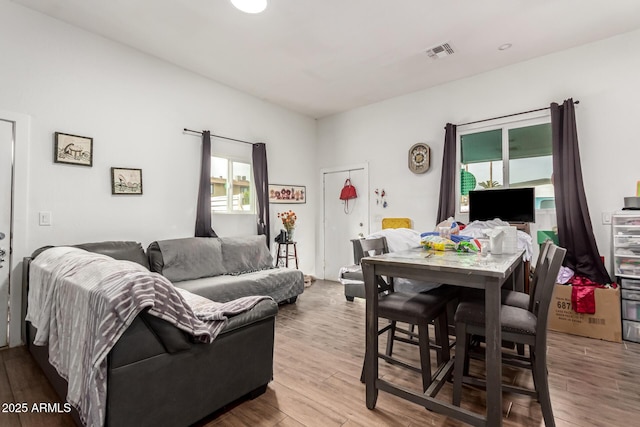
(604, 324)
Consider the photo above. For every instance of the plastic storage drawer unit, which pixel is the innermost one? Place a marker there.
(625, 227)
(630, 331)
(630, 309)
(631, 294)
(630, 284)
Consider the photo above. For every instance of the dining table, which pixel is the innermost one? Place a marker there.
(488, 272)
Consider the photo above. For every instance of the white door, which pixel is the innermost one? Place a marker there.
(6, 173)
(343, 222)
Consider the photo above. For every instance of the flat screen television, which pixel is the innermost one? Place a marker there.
(508, 204)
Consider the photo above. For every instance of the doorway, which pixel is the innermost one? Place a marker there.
(343, 221)
(7, 132)
(14, 218)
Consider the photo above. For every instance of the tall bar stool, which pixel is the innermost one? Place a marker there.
(420, 309)
(519, 325)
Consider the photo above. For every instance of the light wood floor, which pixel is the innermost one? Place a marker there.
(318, 355)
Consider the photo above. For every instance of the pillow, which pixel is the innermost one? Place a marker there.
(246, 253)
(191, 258)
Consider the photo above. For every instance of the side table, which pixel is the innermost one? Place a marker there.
(284, 254)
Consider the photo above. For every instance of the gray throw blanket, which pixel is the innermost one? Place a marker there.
(82, 302)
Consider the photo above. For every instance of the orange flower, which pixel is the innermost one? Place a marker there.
(288, 219)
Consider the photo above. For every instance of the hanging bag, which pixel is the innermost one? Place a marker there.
(348, 192)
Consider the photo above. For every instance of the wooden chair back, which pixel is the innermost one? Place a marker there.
(372, 247)
(545, 282)
(544, 248)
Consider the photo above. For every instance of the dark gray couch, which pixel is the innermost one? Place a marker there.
(225, 268)
(159, 376)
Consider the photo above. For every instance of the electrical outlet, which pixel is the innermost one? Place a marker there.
(606, 218)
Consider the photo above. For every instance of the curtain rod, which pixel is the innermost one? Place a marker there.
(510, 115)
(219, 136)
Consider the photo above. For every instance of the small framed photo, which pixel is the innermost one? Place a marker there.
(73, 149)
(287, 193)
(126, 181)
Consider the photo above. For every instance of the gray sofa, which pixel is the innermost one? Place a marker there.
(157, 374)
(225, 268)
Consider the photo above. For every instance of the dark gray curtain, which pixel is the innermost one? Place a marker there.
(261, 179)
(203, 212)
(447, 204)
(575, 232)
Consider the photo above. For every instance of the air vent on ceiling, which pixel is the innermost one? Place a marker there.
(440, 51)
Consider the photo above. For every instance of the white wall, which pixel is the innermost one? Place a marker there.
(602, 75)
(135, 107)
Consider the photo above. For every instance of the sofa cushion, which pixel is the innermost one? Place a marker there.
(245, 253)
(278, 283)
(191, 258)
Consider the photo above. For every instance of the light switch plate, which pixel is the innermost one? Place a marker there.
(606, 218)
(44, 218)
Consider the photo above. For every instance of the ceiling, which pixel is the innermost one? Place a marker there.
(321, 57)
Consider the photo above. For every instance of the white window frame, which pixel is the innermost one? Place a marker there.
(506, 124)
(252, 187)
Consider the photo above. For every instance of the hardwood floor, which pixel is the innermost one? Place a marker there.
(318, 357)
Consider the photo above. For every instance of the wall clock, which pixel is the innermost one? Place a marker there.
(419, 158)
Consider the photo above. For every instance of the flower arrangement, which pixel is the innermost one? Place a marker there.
(288, 219)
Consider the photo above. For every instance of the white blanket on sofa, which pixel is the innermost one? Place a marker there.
(82, 302)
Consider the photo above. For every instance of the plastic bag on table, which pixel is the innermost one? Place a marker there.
(438, 243)
(448, 227)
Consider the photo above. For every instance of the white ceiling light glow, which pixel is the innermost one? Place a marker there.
(250, 6)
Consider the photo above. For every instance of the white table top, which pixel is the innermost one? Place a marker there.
(451, 261)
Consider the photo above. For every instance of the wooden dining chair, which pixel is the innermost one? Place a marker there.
(354, 281)
(513, 297)
(420, 309)
(521, 299)
(519, 325)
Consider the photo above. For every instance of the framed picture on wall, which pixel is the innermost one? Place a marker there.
(126, 181)
(279, 193)
(73, 149)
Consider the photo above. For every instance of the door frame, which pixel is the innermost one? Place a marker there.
(320, 247)
(19, 222)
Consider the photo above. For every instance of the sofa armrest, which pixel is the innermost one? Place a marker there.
(149, 336)
(262, 310)
(122, 250)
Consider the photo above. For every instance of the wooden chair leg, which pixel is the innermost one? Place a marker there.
(460, 357)
(412, 328)
(542, 387)
(534, 373)
(468, 340)
(442, 339)
(425, 357)
(390, 337)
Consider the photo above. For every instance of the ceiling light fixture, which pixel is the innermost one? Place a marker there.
(250, 6)
(504, 46)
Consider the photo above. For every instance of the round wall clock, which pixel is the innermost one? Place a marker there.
(419, 158)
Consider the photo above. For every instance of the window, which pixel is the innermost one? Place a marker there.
(508, 156)
(231, 186)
